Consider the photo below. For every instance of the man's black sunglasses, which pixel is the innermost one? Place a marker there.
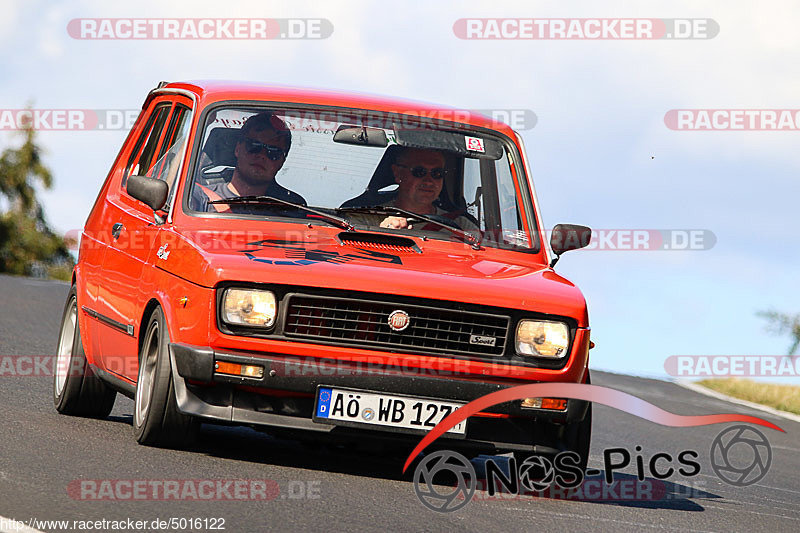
(420, 172)
(274, 153)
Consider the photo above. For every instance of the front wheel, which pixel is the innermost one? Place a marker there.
(156, 418)
(76, 388)
(577, 437)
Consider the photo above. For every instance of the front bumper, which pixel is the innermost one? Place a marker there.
(284, 397)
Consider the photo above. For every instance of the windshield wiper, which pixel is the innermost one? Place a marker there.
(463, 236)
(271, 200)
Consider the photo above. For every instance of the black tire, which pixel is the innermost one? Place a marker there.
(577, 437)
(156, 419)
(77, 390)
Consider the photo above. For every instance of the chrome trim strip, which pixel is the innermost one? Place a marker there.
(125, 328)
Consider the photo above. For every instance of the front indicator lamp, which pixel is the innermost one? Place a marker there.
(235, 369)
(553, 404)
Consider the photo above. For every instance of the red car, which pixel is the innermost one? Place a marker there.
(325, 264)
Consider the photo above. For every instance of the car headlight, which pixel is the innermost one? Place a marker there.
(541, 338)
(249, 307)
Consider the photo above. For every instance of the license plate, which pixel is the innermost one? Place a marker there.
(384, 409)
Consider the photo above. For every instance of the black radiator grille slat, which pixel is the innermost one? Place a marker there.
(366, 322)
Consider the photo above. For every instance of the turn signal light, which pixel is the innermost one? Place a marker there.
(554, 404)
(235, 369)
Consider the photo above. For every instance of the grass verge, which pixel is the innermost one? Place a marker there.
(782, 397)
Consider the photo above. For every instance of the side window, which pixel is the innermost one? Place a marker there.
(492, 199)
(147, 142)
(473, 192)
(169, 156)
(510, 217)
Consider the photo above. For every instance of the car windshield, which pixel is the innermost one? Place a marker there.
(375, 174)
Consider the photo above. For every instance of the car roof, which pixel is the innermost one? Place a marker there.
(210, 91)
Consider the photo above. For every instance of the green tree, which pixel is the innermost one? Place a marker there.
(20, 168)
(27, 243)
(783, 323)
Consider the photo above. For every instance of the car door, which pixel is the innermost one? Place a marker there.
(133, 231)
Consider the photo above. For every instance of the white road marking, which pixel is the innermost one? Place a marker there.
(793, 509)
(718, 395)
(779, 488)
(774, 447)
(598, 519)
(772, 515)
(721, 484)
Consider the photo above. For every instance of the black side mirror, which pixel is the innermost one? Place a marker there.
(151, 191)
(566, 237)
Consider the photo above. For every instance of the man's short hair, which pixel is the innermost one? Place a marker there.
(267, 122)
(405, 152)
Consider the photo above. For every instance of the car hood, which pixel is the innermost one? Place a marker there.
(436, 269)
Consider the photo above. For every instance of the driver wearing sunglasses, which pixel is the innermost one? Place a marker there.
(420, 176)
(260, 153)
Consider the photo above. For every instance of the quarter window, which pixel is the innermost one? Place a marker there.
(146, 144)
(169, 156)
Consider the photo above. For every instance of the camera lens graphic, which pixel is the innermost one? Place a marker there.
(741, 455)
(449, 466)
(536, 473)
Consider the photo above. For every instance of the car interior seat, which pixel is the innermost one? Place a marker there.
(451, 199)
(381, 179)
(217, 155)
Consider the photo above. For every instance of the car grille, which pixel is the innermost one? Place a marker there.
(365, 322)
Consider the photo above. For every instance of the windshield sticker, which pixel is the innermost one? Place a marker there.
(314, 126)
(474, 144)
(297, 255)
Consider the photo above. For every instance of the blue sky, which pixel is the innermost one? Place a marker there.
(600, 153)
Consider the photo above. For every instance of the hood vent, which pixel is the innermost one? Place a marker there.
(379, 241)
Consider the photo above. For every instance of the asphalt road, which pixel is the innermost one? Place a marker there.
(42, 454)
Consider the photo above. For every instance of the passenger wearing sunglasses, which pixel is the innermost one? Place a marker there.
(260, 153)
(420, 176)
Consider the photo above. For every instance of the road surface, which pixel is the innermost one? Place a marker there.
(43, 457)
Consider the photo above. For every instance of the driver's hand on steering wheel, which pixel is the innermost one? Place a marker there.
(396, 223)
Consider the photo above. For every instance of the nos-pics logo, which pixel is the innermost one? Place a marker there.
(446, 481)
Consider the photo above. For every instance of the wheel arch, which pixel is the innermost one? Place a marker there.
(83, 320)
(146, 314)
